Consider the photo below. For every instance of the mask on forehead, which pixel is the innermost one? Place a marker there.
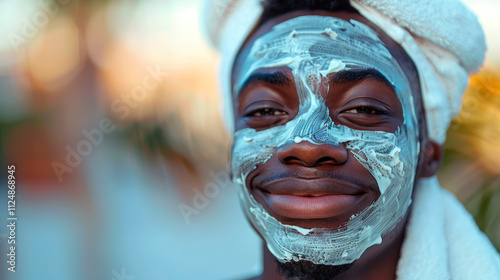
(313, 47)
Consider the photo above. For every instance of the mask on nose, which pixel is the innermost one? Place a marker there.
(313, 47)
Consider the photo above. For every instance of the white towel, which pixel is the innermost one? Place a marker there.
(443, 241)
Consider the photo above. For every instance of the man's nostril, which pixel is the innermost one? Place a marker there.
(309, 154)
(327, 160)
(292, 160)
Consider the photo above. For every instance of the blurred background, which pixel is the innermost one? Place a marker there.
(109, 111)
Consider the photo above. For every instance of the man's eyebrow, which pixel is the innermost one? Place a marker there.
(274, 78)
(358, 75)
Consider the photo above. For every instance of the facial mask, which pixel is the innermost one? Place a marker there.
(312, 47)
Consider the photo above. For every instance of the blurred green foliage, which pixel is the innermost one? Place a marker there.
(471, 165)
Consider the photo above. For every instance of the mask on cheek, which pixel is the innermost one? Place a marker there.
(313, 47)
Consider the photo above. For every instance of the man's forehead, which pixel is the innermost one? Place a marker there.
(393, 48)
(329, 27)
(313, 36)
(323, 45)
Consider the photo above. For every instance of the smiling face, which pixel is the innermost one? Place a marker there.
(326, 143)
(316, 183)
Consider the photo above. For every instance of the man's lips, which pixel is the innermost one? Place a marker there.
(311, 187)
(320, 198)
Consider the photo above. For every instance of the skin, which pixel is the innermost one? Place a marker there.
(365, 104)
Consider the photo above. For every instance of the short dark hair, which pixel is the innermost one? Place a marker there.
(274, 8)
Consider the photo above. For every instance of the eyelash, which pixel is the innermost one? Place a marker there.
(266, 112)
(366, 110)
(275, 112)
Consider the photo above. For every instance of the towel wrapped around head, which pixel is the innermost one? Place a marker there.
(443, 38)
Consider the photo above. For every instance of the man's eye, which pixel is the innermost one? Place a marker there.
(266, 112)
(366, 110)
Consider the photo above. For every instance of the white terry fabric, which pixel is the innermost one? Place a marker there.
(443, 38)
(443, 241)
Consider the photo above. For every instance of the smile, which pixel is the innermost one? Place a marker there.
(320, 198)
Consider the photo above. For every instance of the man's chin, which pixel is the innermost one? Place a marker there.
(306, 270)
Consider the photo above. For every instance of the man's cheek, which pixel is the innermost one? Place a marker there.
(248, 151)
(382, 160)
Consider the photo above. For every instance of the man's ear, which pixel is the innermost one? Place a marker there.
(431, 155)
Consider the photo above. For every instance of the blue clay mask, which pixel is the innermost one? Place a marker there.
(313, 47)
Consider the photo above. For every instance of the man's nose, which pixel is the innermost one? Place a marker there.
(309, 154)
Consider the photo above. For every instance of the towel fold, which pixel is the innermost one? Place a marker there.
(443, 241)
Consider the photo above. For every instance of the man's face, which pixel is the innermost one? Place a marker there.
(326, 143)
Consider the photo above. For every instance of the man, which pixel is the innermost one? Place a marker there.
(339, 109)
